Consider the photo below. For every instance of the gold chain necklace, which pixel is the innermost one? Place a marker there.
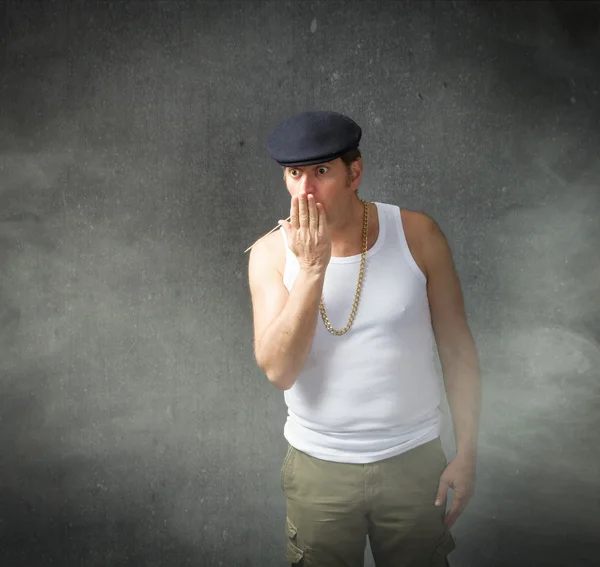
(360, 280)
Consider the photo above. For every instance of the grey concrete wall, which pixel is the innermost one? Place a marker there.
(135, 428)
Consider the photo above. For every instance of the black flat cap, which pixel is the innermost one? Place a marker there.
(313, 137)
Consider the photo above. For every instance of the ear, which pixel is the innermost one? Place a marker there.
(356, 168)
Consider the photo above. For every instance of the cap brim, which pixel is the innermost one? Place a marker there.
(315, 161)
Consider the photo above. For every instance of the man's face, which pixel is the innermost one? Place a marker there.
(327, 182)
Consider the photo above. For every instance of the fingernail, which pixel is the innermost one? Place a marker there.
(438, 502)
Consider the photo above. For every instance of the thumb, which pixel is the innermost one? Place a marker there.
(442, 493)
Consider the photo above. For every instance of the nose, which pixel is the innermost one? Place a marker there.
(307, 185)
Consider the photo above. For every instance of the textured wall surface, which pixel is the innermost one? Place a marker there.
(135, 428)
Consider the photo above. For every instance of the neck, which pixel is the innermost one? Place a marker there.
(347, 227)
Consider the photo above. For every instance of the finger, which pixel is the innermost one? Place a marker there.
(303, 207)
(454, 512)
(322, 219)
(313, 218)
(442, 493)
(294, 220)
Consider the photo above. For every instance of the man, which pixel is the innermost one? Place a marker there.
(348, 297)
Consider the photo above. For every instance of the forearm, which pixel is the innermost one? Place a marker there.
(283, 347)
(460, 368)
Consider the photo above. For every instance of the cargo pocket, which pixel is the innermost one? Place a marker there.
(442, 548)
(294, 554)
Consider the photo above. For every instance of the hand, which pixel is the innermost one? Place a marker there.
(460, 476)
(307, 232)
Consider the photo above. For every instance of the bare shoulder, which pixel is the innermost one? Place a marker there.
(417, 223)
(426, 240)
(265, 276)
(419, 229)
(268, 253)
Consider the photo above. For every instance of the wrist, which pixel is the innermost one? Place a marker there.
(466, 453)
(312, 271)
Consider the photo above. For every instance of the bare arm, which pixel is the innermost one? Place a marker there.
(456, 347)
(284, 323)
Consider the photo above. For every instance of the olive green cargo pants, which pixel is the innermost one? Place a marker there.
(331, 508)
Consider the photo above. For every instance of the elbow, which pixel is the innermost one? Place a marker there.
(280, 382)
(277, 376)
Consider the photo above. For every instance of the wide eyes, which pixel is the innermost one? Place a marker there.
(321, 170)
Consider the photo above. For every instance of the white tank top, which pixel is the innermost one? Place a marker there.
(374, 392)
